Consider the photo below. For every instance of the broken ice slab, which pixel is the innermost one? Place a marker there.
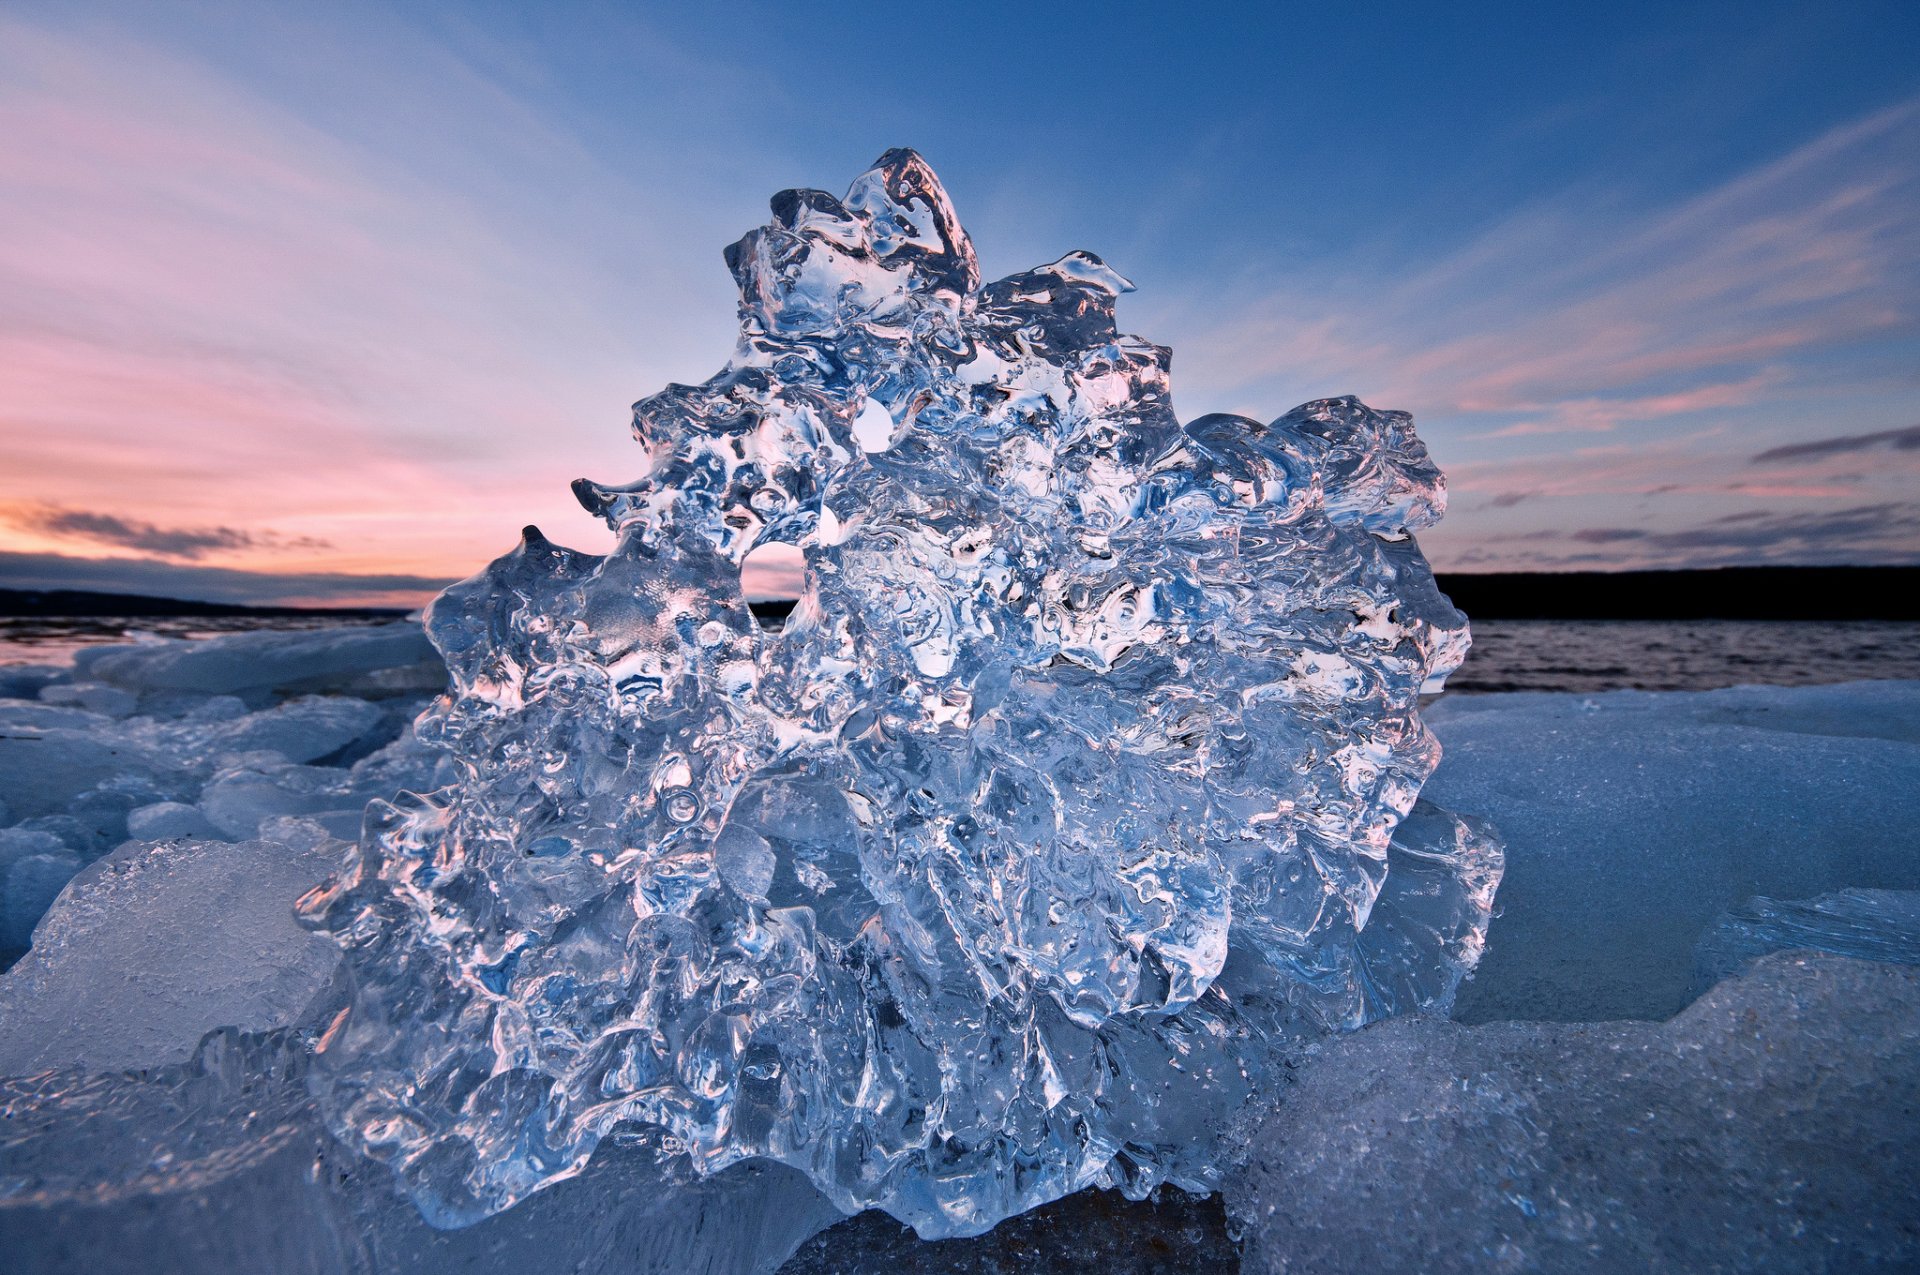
(306, 729)
(39, 715)
(1634, 819)
(29, 884)
(368, 661)
(1772, 1126)
(43, 769)
(1873, 925)
(26, 681)
(245, 795)
(192, 766)
(168, 820)
(95, 697)
(155, 945)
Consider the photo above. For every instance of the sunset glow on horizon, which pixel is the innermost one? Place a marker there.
(322, 309)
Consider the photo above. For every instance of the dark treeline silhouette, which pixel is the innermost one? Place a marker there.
(1723, 593)
(78, 603)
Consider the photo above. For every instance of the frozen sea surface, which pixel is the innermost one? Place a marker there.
(1639, 818)
(1657, 842)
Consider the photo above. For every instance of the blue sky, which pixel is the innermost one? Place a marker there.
(294, 296)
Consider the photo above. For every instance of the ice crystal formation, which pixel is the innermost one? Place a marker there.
(1081, 779)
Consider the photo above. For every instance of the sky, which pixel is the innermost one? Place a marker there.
(322, 303)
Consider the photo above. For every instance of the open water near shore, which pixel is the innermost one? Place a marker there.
(1508, 655)
(1683, 655)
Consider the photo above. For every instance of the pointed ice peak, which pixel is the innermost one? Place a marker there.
(913, 219)
(1086, 269)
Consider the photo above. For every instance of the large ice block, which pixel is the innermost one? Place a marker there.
(1081, 779)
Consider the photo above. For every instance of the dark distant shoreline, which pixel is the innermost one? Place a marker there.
(81, 603)
(1720, 593)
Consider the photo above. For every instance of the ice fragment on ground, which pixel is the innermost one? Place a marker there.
(405, 764)
(166, 820)
(158, 944)
(18, 843)
(261, 786)
(1072, 788)
(338, 659)
(1774, 1125)
(29, 887)
(1873, 925)
(25, 681)
(300, 730)
(95, 697)
(38, 715)
(1633, 820)
(41, 770)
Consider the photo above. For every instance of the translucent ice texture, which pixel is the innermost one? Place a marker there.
(217, 1166)
(1771, 1126)
(1078, 780)
(1874, 925)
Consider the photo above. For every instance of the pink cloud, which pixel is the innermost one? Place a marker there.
(1599, 415)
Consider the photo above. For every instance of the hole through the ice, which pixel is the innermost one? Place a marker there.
(772, 573)
(873, 428)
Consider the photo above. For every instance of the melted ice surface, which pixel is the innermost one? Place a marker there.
(1082, 778)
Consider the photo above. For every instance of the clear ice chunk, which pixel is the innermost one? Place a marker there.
(1081, 778)
(1771, 1126)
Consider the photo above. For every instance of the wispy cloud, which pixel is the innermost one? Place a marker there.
(1901, 440)
(166, 542)
(1567, 306)
(1602, 415)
